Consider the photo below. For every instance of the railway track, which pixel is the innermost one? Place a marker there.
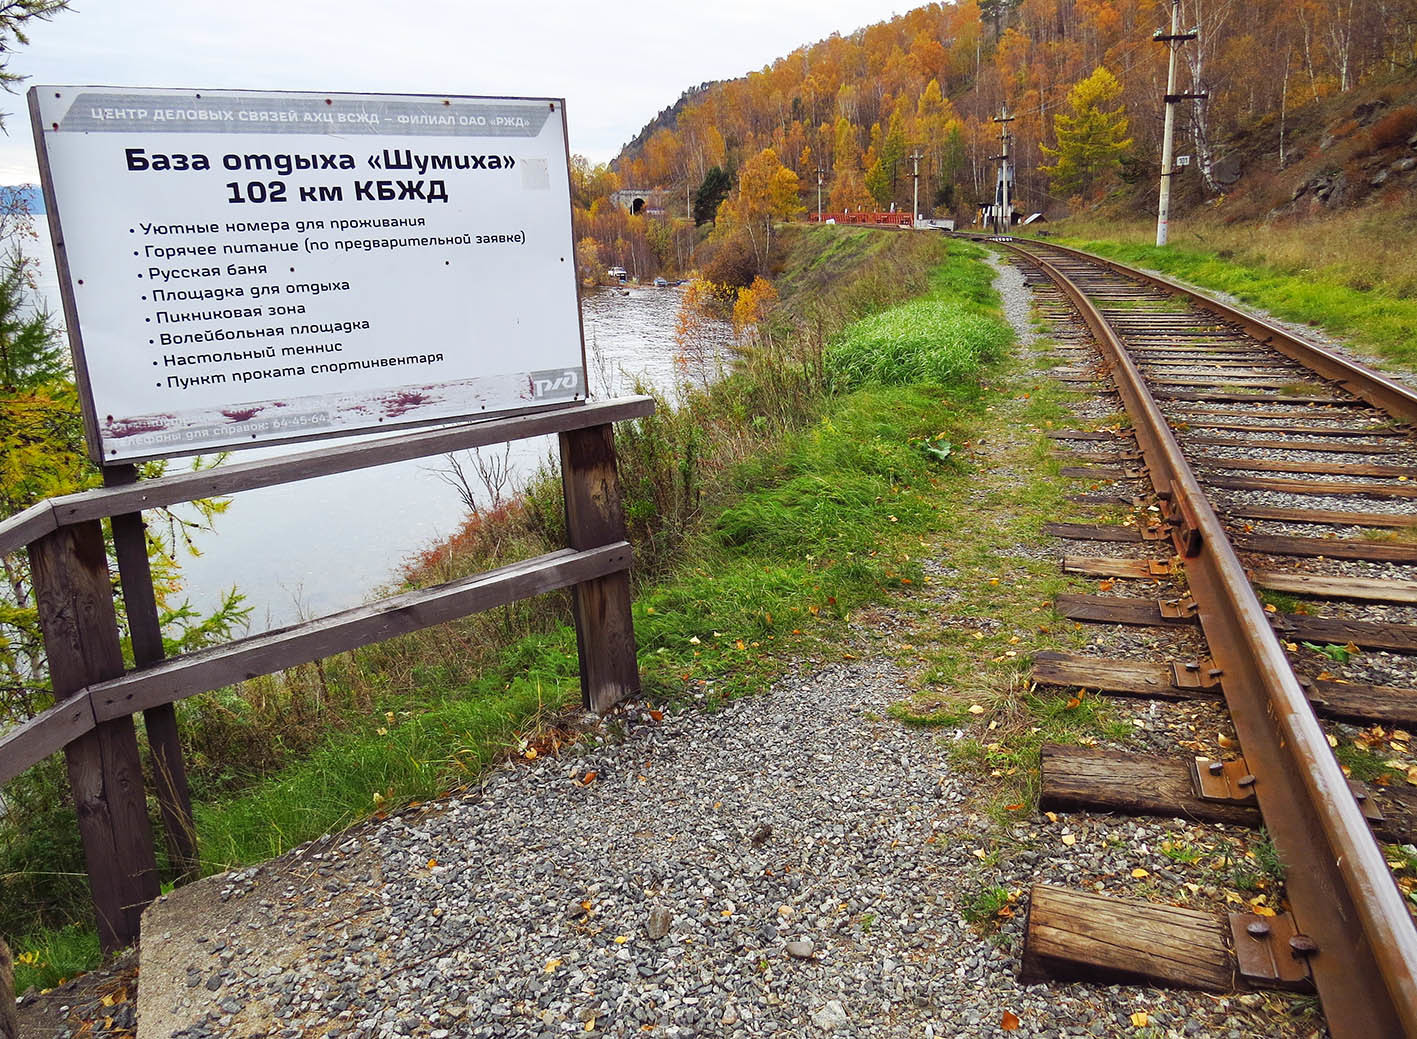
(1268, 490)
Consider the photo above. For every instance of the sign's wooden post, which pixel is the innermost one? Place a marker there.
(130, 544)
(605, 630)
(75, 599)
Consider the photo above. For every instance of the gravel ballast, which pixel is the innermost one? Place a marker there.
(814, 861)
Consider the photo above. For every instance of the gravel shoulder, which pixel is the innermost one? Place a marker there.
(793, 864)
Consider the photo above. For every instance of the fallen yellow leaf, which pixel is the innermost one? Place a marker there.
(1069, 839)
(1139, 1019)
(1139, 873)
(975, 709)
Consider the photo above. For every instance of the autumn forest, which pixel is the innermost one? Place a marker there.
(1083, 80)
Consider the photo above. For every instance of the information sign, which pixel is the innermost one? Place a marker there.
(241, 268)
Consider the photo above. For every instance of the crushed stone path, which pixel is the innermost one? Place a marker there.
(800, 852)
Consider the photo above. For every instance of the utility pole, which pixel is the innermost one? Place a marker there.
(1171, 39)
(1003, 207)
(915, 205)
(819, 194)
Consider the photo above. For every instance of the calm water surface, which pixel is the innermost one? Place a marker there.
(309, 548)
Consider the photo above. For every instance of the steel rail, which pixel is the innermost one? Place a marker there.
(1363, 382)
(1339, 885)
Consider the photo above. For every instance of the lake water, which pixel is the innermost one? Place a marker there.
(310, 548)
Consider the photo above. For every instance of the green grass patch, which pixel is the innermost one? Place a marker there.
(943, 338)
(983, 906)
(1359, 763)
(976, 654)
(47, 959)
(405, 757)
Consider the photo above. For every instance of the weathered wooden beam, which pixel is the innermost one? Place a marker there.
(46, 733)
(174, 798)
(1358, 702)
(1348, 701)
(1103, 435)
(1235, 380)
(1203, 396)
(1253, 465)
(1327, 517)
(33, 523)
(1092, 531)
(1125, 677)
(1115, 609)
(1095, 779)
(1092, 472)
(73, 592)
(605, 629)
(1105, 609)
(300, 643)
(1100, 780)
(1084, 936)
(1335, 446)
(1107, 566)
(9, 1025)
(1326, 548)
(339, 458)
(1324, 487)
(1400, 638)
(1207, 420)
(1337, 587)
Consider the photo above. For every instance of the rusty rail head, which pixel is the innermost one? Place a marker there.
(1365, 965)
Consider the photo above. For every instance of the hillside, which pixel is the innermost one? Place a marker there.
(935, 78)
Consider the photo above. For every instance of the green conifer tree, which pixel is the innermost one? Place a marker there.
(1093, 139)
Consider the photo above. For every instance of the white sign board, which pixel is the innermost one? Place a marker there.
(241, 268)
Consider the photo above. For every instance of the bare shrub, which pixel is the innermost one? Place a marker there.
(1394, 128)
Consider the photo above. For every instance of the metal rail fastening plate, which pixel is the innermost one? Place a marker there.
(1271, 950)
(1222, 780)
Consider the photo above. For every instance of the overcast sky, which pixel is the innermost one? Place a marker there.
(616, 65)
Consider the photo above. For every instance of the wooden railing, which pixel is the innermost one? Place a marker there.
(95, 697)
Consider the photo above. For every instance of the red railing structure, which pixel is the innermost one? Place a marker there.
(874, 219)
